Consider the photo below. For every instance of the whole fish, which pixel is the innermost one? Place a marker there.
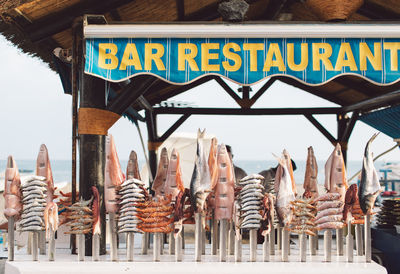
(289, 166)
(200, 184)
(12, 190)
(369, 185)
(113, 177)
(212, 162)
(224, 190)
(310, 179)
(161, 176)
(284, 193)
(43, 168)
(335, 173)
(96, 210)
(174, 183)
(51, 218)
(132, 169)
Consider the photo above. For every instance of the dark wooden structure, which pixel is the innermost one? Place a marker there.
(39, 26)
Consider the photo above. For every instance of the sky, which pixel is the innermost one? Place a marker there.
(34, 110)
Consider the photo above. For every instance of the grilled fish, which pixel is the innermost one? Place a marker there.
(310, 179)
(161, 176)
(43, 168)
(289, 166)
(132, 169)
(369, 185)
(174, 183)
(335, 173)
(284, 193)
(12, 190)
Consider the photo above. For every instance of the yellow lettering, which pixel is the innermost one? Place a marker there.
(304, 57)
(149, 56)
(375, 60)
(273, 50)
(253, 48)
(393, 47)
(130, 50)
(321, 56)
(231, 56)
(189, 57)
(110, 55)
(345, 51)
(206, 56)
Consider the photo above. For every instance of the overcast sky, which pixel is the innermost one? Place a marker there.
(34, 110)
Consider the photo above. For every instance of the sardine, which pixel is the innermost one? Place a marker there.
(43, 169)
(256, 177)
(12, 190)
(255, 194)
(113, 177)
(329, 204)
(289, 166)
(252, 186)
(335, 173)
(132, 169)
(369, 185)
(330, 225)
(328, 197)
(329, 211)
(284, 193)
(310, 179)
(174, 183)
(329, 218)
(132, 182)
(161, 176)
(250, 192)
(250, 212)
(200, 183)
(224, 190)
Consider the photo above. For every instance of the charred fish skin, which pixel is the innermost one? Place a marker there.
(12, 190)
(200, 183)
(161, 176)
(132, 169)
(369, 185)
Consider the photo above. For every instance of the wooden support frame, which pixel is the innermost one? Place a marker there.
(171, 130)
(321, 128)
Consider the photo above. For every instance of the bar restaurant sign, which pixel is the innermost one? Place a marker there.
(245, 54)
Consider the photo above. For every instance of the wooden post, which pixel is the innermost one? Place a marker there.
(272, 241)
(339, 241)
(328, 245)
(231, 240)
(303, 247)
(35, 247)
(42, 242)
(285, 245)
(156, 247)
(197, 237)
(145, 243)
(367, 235)
(359, 240)
(10, 238)
(313, 243)
(253, 245)
(238, 248)
(279, 237)
(96, 247)
(114, 241)
(178, 248)
(222, 240)
(349, 243)
(266, 247)
(162, 240)
(203, 240)
(130, 246)
(81, 247)
(183, 236)
(52, 244)
(214, 236)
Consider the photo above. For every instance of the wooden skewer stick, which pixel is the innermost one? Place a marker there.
(11, 238)
(197, 237)
(42, 242)
(145, 243)
(214, 236)
(29, 244)
(279, 237)
(35, 247)
(203, 240)
(359, 240)
(339, 241)
(328, 245)
(96, 247)
(272, 241)
(231, 235)
(253, 245)
(266, 247)
(238, 248)
(285, 245)
(114, 243)
(367, 235)
(178, 248)
(312, 242)
(156, 247)
(81, 247)
(171, 243)
(303, 247)
(162, 238)
(130, 245)
(52, 244)
(349, 243)
(222, 240)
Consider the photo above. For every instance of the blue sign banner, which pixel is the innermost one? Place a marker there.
(245, 61)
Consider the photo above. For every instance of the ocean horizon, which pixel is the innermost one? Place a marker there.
(62, 168)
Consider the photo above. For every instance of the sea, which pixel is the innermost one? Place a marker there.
(62, 168)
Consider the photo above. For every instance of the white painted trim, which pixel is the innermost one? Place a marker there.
(243, 31)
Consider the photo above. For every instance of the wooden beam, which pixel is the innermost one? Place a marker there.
(228, 90)
(391, 98)
(180, 7)
(321, 128)
(359, 86)
(207, 13)
(240, 111)
(350, 126)
(377, 12)
(273, 9)
(262, 90)
(174, 127)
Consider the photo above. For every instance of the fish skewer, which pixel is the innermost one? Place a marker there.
(96, 230)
